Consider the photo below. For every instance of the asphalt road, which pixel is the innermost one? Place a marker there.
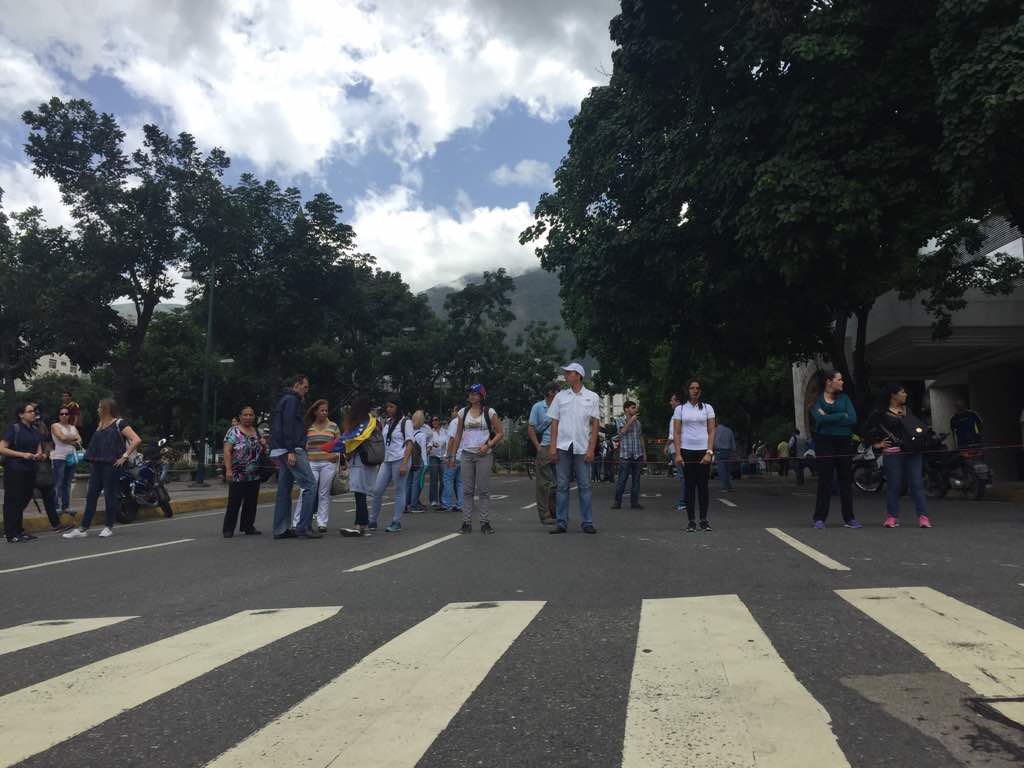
(642, 645)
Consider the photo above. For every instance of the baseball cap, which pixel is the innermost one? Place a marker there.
(575, 367)
(478, 388)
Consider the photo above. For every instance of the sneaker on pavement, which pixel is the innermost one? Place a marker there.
(852, 524)
(466, 528)
(680, 507)
(486, 528)
(557, 529)
(547, 521)
(371, 527)
(322, 528)
(106, 532)
(691, 527)
(705, 525)
(819, 524)
(616, 505)
(589, 529)
(393, 528)
(75, 533)
(636, 506)
(891, 522)
(28, 536)
(924, 522)
(308, 533)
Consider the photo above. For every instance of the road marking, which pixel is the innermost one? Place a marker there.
(406, 553)
(499, 496)
(100, 691)
(38, 632)
(90, 557)
(727, 502)
(981, 651)
(419, 681)
(530, 506)
(812, 553)
(709, 689)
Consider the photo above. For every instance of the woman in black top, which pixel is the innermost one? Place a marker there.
(112, 444)
(900, 435)
(22, 451)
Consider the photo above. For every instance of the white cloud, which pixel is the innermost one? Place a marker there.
(24, 82)
(525, 173)
(434, 245)
(22, 189)
(293, 84)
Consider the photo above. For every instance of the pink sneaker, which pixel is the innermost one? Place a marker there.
(891, 522)
(924, 522)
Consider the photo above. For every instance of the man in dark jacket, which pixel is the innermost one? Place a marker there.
(288, 448)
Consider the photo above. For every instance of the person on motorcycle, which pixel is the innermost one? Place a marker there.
(901, 437)
(966, 426)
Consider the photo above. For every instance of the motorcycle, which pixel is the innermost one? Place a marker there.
(963, 470)
(143, 484)
(868, 471)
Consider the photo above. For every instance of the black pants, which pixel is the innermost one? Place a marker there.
(104, 478)
(244, 495)
(18, 487)
(50, 504)
(834, 453)
(362, 512)
(696, 475)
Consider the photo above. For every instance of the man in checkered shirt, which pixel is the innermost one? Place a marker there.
(632, 454)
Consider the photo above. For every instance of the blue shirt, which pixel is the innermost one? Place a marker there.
(540, 422)
(840, 417)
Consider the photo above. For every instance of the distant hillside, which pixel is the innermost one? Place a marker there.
(127, 311)
(535, 298)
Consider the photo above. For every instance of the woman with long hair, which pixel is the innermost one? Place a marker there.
(900, 435)
(693, 425)
(21, 446)
(397, 431)
(243, 451)
(111, 446)
(479, 431)
(45, 478)
(320, 433)
(418, 460)
(833, 418)
(360, 425)
(66, 440)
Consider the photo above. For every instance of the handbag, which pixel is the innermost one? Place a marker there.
(339, 484)
(371, 452)
(75, 457)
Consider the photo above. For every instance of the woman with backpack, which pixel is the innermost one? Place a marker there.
(479, 431)
(112, 444)
(414, 482)
(397, 432)
(363, 446)
(900, 435)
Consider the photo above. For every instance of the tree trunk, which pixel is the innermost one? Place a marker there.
(861, 372)
(10, 396)
(126, 367)
(837, 353)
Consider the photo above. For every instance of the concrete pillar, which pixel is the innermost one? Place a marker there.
(942, 401)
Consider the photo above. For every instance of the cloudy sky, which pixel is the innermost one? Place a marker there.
(436, 124)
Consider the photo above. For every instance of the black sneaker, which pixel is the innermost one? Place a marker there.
(253, 532)
(691, 527)
(289, 534)
(28, 536)
(636, 506)
(466, 528)
(557, 529)
(308, 533)
(322, 528)
(616, 505)
(372, 527)
(589, 529)
(486, 528)
(705, 525)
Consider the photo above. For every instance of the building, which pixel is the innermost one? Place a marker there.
(981, 363)
(49, 364)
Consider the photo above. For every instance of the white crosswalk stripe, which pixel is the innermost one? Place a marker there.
(420, 679)
(64, 706)
(38, 632)
(709, 689)
(985, 653)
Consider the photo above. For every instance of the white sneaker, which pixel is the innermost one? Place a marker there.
(75, 533)
(106, 532)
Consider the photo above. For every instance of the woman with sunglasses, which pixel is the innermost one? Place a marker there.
(479, 431)
(693, 426)
(21, 446)
(66, 440)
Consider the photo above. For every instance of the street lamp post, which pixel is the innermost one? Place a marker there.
(204, 412)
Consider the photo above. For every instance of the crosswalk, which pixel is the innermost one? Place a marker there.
(708, 687)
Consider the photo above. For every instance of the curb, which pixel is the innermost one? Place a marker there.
(39, 523)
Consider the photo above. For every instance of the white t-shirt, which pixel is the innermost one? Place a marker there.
(62, 450)
(438, 443)
(453, 430)
(402, 434)
(474, 429)
(695, 425)
(574, 411)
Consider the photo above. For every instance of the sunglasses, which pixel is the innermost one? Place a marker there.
(64, 413)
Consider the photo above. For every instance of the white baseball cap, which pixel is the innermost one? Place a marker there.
(575, 367)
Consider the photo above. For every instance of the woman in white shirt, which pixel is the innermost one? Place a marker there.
(694, 429)
(478, 432)
(65, 440)
(437, 447)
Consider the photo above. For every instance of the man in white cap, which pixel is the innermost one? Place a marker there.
(575, 416)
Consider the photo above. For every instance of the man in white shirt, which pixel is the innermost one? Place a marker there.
(574, 415)
(437, 447)
(451, 491)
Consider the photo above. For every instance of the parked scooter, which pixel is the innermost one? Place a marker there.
(868, 472)
(143, 484)
(963, 470)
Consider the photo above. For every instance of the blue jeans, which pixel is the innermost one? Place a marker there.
(682, 485)
(287, 477)
(904, 469)
(452, 485)
(724, 461)
(63, 474)
(413, 489)
(103, 478)
(628, 468)
(567, 463)
(389, 471)
(436, 484)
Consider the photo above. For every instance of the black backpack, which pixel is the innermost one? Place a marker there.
(485, 411)
(417, 453)
(371, 452)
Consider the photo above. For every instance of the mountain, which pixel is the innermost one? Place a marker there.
(535, 298)
(127, 311)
